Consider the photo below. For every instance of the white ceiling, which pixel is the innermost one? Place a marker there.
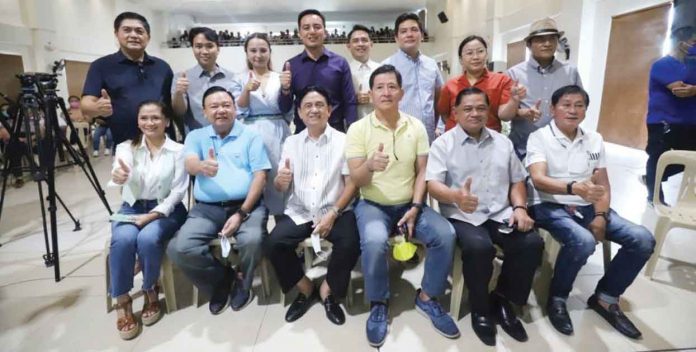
(219, 11)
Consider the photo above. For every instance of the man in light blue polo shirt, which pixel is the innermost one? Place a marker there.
(230, 165)
(188, 86)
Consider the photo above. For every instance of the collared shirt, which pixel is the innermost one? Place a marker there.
(318, 170)
(330, 71)
(540, 83)
(361, 80)
(129, 83)
(421, 81)
(565, 160)
(239, 155)
(496, 86)
(199, 82)
(662, 104)
(491, 163)
(403, 145)
(160, 176)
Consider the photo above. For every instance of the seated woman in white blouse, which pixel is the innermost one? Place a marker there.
(151, 170)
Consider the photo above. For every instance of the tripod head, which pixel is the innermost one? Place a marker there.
(45, 82)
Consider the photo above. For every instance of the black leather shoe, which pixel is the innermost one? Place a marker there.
(221, 295)
(299, 306)
(615, 317)
(484, 327)
(558, 314)
(507, 318)
(333, 311)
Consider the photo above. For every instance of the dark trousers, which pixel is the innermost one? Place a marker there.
(662, 138)
(15, 152)
(522, 252)
(281, 244)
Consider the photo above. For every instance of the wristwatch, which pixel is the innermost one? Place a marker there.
(569, 187)
(418, 206)
(243, 214)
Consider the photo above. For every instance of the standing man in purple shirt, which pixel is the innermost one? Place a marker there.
(316, 65)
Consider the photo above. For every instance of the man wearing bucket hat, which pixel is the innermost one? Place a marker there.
(542, 75)
(479, 183)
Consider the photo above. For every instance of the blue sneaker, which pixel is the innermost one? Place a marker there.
(240, 297)
(377, 324)
(442, 322)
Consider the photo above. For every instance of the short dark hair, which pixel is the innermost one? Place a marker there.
(314, 88)
(311, 12)
(358, 27)
(208, 33)
(163, 109)
(263, 37)
(682, 34)
(385, 69)
(131, 16)
(471, 91)
(73, 96)
(213, 90)
(405, 17)
(471, 38)
(567, 90)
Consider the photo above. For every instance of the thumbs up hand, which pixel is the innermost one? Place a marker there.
(104, 104)
(518, 91)
(121, 173)
(466, 201)
(209, 166)
(253, 83)
(286, 77)
(379, 160)
(362, 97)
(182, 84)
(535, 111)
(590, 190)
(284, 177)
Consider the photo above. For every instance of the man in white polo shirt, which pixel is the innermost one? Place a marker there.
(572, 201)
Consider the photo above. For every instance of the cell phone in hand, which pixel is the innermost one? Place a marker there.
(505, 228)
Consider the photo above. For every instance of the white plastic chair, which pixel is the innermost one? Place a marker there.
(683, 212)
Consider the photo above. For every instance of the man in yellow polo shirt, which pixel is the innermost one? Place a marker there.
(387, 152)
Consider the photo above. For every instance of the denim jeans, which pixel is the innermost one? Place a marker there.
(190, 250)
(148, 243)
(98, 133)
(578, 243)
(375, 224)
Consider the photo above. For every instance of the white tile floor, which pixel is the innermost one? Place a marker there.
(38, 314)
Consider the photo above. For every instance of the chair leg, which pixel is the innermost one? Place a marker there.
(661, 228)
(457, 285)
(265, 279)
(349, 296)
(307, 257)
(168, 286)
(194, 296)
(606, 253)
(109, 301)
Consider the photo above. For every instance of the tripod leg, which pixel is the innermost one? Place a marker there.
(48, 257)
(76, 222)
(5, 176)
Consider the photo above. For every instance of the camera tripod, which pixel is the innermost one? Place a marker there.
(36, 112)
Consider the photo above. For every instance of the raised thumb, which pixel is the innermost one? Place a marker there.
(211, 153)
(537, 105)
(183, 74)
(381, 147)
(287, 163)
(104, 94)
(123, 165)
(466, 186)
(286, 67)
(594, 176)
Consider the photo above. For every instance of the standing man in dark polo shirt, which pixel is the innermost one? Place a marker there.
(318, 66)
(116, 84)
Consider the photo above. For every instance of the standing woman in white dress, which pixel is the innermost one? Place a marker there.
(256, 93)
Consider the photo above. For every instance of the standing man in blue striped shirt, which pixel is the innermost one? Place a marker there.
(422, 81)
